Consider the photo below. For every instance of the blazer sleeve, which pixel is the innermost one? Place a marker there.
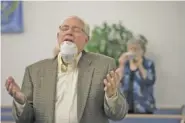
(118, 107)
(27, 114)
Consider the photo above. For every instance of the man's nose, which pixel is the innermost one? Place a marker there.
(70, 31)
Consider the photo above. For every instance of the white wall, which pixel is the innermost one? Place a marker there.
(163, 23)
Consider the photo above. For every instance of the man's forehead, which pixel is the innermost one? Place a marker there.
(73, 21)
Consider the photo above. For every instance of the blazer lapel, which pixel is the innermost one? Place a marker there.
(49, 89)
(84, 82)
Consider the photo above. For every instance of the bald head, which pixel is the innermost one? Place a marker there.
(85, 26)
(74, 29)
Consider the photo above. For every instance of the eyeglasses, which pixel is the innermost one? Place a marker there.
(73, 28)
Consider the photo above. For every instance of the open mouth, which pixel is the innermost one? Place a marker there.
(68, 39)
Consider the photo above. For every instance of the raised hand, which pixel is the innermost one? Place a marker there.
(111, 83)
(14, 90)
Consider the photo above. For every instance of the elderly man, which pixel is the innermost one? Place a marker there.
(73, 87)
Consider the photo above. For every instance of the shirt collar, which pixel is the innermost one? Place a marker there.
(62, 67)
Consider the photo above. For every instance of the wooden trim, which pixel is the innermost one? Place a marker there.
(182, 118)
(154, 116)
(161, 107)
(169, 107)
(7, 122)
(158, 107)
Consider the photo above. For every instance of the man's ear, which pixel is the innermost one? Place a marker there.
(57, 34)
(87, 39)
(58, 40)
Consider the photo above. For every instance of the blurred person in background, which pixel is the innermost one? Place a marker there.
(73, 87)
(138, 77)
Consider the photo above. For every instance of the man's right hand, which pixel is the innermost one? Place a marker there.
(14, 90)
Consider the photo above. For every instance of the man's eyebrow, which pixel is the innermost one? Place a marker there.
(63, 25)
(72, 26)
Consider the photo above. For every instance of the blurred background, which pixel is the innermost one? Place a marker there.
(161, 23)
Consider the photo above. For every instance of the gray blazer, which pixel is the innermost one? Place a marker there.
(39, 86)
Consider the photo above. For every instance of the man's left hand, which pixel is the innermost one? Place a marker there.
(111, 83)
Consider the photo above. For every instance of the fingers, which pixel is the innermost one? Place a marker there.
(9, 80)
(11, 86)
(107, 85)
(14, 93)
(110, 82)
(8, 83)
(14, 90)
(113, 79)
(10, 89)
